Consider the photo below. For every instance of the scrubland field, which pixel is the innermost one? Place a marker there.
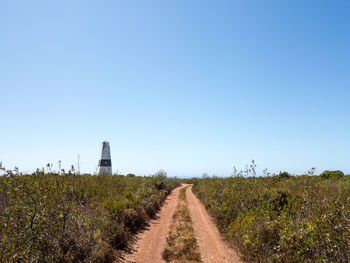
(282, 218)
(75, 218)
(49, 217)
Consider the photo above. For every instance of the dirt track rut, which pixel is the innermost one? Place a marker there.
(211, 246)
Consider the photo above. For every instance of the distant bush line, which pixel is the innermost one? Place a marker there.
(75, 218)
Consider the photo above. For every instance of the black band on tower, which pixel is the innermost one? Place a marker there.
(105, 162)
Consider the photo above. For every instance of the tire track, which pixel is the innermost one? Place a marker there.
(211, 246)
(151, 242)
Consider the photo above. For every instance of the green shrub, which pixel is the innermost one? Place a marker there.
(332, 174)
(284, 175)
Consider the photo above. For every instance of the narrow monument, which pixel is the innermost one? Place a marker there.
(105, 162)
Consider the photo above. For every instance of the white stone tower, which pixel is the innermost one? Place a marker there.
(105, 163)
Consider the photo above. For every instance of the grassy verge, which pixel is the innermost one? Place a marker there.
(181, 242)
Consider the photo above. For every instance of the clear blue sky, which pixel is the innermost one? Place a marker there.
(185, 86)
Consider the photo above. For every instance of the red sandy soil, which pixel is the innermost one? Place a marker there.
(151, 243)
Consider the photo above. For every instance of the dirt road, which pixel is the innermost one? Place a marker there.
(151, 243)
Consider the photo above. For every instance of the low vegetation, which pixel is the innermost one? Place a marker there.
(50, 217)
(282, 218)
(181, 242)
